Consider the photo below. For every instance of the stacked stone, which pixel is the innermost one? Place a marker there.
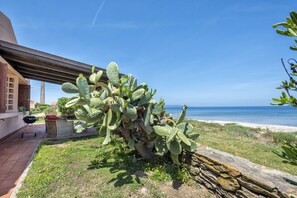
(226, 181)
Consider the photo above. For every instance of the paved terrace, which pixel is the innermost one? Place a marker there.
(15, 153)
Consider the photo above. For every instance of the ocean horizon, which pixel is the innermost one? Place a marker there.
(270, 115)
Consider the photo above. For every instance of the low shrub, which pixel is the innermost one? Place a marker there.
(67, 112)
(50, 111)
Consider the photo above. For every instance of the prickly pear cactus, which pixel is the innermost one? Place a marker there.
(125, 108)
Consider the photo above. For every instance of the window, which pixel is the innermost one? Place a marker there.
(11, 93)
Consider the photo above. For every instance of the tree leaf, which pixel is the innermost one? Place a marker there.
(69, 88)
(174, 147)
(183, 138)
(175, 159)
(182, 115)
(160, 145)
(72, 102)
(163, 131)
(112, 72)
(83, 87)
(190, 148)
(171, 135)
(185, 127)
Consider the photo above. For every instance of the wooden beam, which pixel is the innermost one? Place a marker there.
(47, 79)
(3, 79)
(50, 76)
(39, 65)
(47, 57)
(23, 68)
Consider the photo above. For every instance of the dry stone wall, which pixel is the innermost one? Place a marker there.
(230, 176)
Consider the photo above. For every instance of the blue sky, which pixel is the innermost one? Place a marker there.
(200, 53)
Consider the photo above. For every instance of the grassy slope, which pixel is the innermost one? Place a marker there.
(85, 168)
(70, 168)
(245, 142)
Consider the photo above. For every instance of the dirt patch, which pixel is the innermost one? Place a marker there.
(174, 189)
(63, 145)
(265, 139)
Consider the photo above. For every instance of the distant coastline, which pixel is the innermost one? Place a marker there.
(273, 128)
(257, 115)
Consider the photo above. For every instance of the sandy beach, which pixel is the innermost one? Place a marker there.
(273, 128)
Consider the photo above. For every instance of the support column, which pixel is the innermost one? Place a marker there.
(24, 96)
(3, 79)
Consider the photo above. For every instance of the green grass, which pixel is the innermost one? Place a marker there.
(246, 142)
(85, 168)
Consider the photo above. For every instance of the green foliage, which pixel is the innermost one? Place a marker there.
(50, 111)
(167, 172)
(282, 137)
(288, 153)
(289, 28)
(67, 112)
(35, 110)
(123, 107)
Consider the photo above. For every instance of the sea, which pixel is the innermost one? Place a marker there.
(270, 115)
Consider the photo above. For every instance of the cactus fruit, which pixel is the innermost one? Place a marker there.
(126, 108)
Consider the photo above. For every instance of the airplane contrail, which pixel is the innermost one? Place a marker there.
(98, 11)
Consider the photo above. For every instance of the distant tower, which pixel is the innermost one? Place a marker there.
(42, 93)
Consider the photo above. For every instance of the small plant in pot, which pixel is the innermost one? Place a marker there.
(51, 113)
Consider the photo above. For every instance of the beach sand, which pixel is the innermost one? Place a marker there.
(273, 128)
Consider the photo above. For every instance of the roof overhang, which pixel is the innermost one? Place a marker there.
(42, 66)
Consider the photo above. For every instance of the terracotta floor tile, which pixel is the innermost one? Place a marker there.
(3, 159)
(6, 192)
(24, 159)
(13, 158)
(13, 175)
(6, 167)
(15, 153)
(7, 183)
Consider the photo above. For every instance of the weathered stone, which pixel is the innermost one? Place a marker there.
(232, 171)
(225, 176)
(228, 184)
(209, 176)
(226, 193)
(245, 193)
(195, 163)
(212, 169)
(194, 170)
(203, 167)
(259, 181)
(289, 194)
(204, 160)
(250, 179)
(221, 169)
(213, 160)
(257, 189)
(195, 159)
(206, 183)
(218, 195)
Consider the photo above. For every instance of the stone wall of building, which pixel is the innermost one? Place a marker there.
(230, 176)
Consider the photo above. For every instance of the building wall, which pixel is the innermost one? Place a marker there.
(6, 30)
(11, 124)
(11, 120)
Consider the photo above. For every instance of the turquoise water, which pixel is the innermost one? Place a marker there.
(275, 115)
